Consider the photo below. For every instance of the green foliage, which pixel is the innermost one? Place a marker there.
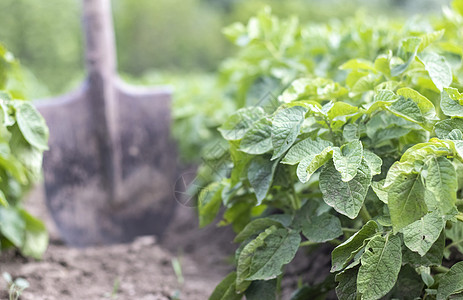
(23, 138)
(360, 145)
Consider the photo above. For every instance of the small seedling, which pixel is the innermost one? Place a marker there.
(15, 287)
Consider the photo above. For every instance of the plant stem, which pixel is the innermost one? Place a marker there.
(334, 242)
(440, 269)
(453, 244)
(364, 214)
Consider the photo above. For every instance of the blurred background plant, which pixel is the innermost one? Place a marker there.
(179, 43)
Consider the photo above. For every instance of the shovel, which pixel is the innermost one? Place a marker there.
(109, 172)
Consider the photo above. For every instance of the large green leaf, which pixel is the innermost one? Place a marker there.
(263, 257)
(426, 107)
(409, 285)
(451, 283)
(32, 125)
(285, 129)
(380, 267)
(441, 180)
(260, 175)
(432, 258)
(406, 200)
(345, 197)
(422, 234)
(225, 290)
(258, 140)
(36, 236)
(312, 163)
(443, 128)
(322, 228)
(255, 227)
(304, 149)
(261, 289)
(348, 159)
(240, 122)
(407, 109)
(345, 252)
(12, 225)
(347, 286)
(438, 69)
(374, 162)
(451, 102)
(209, 201)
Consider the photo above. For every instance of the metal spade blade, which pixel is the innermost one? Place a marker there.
(109, 172)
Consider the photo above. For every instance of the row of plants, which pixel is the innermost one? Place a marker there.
(350, 133)
(47, 35)
(23, 138)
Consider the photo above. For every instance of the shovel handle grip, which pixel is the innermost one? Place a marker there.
(100, 51)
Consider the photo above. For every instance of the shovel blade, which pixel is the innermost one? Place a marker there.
(75, 182)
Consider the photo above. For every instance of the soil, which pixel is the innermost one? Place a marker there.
(142, 269)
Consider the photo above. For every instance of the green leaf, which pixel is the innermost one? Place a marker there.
(347, 287)
(263, 257)
(12, 225)
(451, 283)
(312, 163)
(406, 200)
(313, 89)
(457, 5)
(225, 290)
(305, 148)
(441, 180)
(455, 234)
(36, 236)
(380, 191)
(429, 38)
(380, 266)
(407, 109)
(438, 69)
(345, 252)
(209, 200)
(259, 290)
(3, 200)
(240, 122)
(451, 102)
(409, 284)
(426, 107)
(356, 64)
(443, 128)
(432, 258)
(348, 159)
(345, 197)
(255, 227)
(322, 228)
(260, 175)
(32, 125)
(285, 129)
(374, 161)
(340, 112)
(422, 234)
(409, 47)
(258, 140)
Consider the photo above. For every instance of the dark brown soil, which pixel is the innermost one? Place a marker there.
(142, 269)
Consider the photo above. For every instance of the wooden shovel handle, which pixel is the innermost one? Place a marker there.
(99, 34)
(101, 67)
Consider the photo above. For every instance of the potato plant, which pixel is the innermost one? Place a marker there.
(23, 138)
(361, 147)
